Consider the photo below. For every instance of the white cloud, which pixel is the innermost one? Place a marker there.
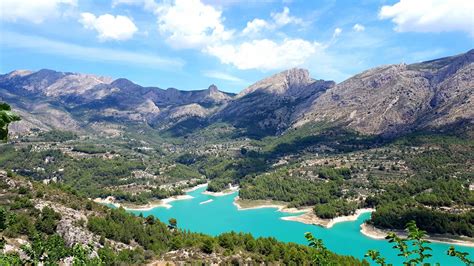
(191, 24)
(109, 27)
(431, 15)
(358, 27)
(337, 32)
(87, 53)
(223, 76)
(278, 20)
(284, 18)
(34, 11)
(256, 26)
(265, 54)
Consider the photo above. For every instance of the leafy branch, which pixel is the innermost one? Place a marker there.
(419, 252)
(322, 253)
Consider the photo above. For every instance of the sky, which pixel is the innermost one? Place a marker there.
(190, 44)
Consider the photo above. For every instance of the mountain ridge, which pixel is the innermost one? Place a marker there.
(384, 100)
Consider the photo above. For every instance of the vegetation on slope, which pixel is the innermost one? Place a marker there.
(145, 239)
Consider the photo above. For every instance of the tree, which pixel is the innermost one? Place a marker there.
(208, 245)
(173, 223)
(48, 221)
(6, 117)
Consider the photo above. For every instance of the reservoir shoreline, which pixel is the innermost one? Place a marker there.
(377, 233)
(306, 215)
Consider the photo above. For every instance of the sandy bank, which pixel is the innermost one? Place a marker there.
(377, 233)
(243, 205)
(206, 201)
(230, 190)
(164, 203)
(311, 218)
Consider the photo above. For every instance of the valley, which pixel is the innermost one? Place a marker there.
(397, 139)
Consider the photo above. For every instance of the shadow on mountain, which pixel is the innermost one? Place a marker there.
(261, 114)
(185, 127)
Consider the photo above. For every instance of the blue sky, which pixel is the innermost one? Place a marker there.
(190, 44)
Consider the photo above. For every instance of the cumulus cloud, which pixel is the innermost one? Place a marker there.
(256, 26)
(265, 54)
(109, 27)
(358, 27)
(34, 11)
(278, 20)
(191, 24)
(430, 15)
(284, 18)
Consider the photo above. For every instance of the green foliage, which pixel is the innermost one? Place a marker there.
(375, 256)
(322, 254)
(10, 259)
(415, 238)
(48, 251)
(460, 255)
(398, 213)
(219, 184)
(441, 180)
(6, 117)
(47, 221)
(173, 224)
(419, 251)
(82, 256)
(3, 219)
(123, 227)
(57, 136)
(335, 208)
(297, 192)
(89, 149)
(208, 245)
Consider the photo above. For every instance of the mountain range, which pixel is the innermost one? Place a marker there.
(385, 100)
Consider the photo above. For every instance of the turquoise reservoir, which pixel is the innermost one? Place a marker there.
(220, 215)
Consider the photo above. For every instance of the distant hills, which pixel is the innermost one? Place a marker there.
(385, 100)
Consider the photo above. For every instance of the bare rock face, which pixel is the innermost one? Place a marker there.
(289, 82)
(267, 106)
(393, 99)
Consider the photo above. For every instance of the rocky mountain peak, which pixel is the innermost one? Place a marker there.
(281, 83)
(296, 76)
(213, 88)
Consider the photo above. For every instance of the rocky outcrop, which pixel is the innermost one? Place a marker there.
(396, 98)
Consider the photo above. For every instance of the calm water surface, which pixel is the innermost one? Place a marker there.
(221, 215)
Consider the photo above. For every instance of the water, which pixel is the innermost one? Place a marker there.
(221, 215)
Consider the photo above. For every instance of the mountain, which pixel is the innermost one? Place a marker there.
(267, 106)
(395, 98)
(49, 99)
(384, 100)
